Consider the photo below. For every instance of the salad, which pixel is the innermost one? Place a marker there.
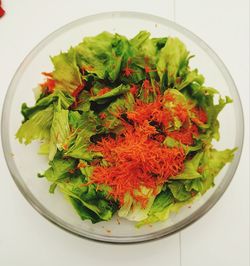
(127, 127)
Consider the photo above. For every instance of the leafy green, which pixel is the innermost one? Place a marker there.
(119, 106)
(212, 163)
(79, 140)
(133, 210)
(65, 101)
(121, 89)
(59, 168)
(172, 59)
(190, 77)
(37, 127)
(87, 201)
(59, 131)
(159, 210)
(66, 74)
(191, 168)
(163, 206)
(179, 191)
(102, 55)
(205, 98)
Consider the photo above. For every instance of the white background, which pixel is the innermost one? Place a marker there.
(221, 237)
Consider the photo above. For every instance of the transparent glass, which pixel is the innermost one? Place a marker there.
(24, 163)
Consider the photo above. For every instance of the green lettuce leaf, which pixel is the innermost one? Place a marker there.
(132, 210)
(119, 106)
(43, 102)
(59, 131)
(37, 127)
(163, 206)
(103, 54)
(179, 191)
(66, 74)
(79, 140)
(146, 48)
(88, 201)
(59, 168)
(204, 96)
(159, 210)
(191, 168)
(190, 77)
(173, 57)
(121, 89)
(212, 163)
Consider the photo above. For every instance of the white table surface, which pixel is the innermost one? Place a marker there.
(221, 237)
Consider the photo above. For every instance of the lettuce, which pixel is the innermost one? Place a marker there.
(88, 200)
(119, 106)
(79, 140)
(133, 210)
(163, 206)
(43, 102)
(173, 58)
(191, 168)
(66, 74)
(121, 89)
(106, 58)
(159, 210)
(59, 131)
(212, 163)
(37, 127)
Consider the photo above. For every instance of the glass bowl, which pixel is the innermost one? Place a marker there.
(24, 163)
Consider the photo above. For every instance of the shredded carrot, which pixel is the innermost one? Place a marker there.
(135, 159)
(47, 74)
(102, 115)
(200, 115)
(65, 146)
(49, 85)
(127, 71)
(76, 93)
(185, 135)
(103, 91)
(78, 90)
(137, 156)
(81, 165)
(87, 68)
(154, 111)
(181, 112)
(133, 89)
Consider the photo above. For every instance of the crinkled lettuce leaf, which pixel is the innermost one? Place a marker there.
(59, 131)
(173, 58)
(65, 100)
(37, 127)
(66, 72)
(116, 108)
(159, 210)
(102, 55)
(205, 97)
(121, 89)
(163, 206)
(212, 163)
(191, 168)
(79, 140)
(89, 202)
(133, 210)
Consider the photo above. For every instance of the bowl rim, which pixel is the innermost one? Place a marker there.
(131, 239)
